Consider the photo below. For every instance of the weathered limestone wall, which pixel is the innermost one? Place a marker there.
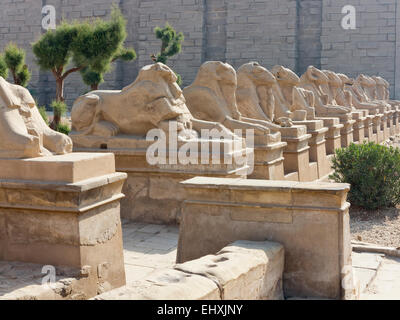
(263, 31)
(370, 48)
(309, 34)
(287, 32)
(310, 220)
(244, 270)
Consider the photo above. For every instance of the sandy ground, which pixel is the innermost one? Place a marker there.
(379, 227)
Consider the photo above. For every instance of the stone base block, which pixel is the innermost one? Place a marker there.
(68, 168)
(317, 145)
(156, 197)
(268, 162)
(332, 137)
(377, 127)
(347, 133)
(66, 224)
(359, 126)
(392, 124)
(153, 193)
(297, 153)
(311, 220)
(244, 270)
(384, 126)
(369, 135)
(396, 121)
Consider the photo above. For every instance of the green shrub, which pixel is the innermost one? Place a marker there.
(3, 68)
(179, 81)
(43, 113)
(373, 171)
(59, 107)
(64, 128)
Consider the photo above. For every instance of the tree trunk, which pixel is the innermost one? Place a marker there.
(16, 80)
(94, 86)
(59, 97)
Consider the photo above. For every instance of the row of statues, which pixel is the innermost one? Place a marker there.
(250, 98)
(220, 97)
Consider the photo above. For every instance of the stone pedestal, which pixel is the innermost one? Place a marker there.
(377, 127)
(392, 122)
(346, 132)
(332, 137)
(268, 161)
(152, 191)
(359, 126)
(396, 118)
(384, 126)
(64, 211)
(390, 127)
(311, 220)
(368, 129)
(317, 145)
(297, 155)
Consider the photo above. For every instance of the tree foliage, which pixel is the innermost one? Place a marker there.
(94, 78)
(373, 171)
(14, 59)
(3, 68)
(171, 44)
(89, 45)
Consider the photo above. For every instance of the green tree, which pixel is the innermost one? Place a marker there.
(14, 58)
(3, 68)
(171, 44)
(88, 44)
(93, 78)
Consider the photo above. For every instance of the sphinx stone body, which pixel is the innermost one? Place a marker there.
(255, 80)
(317, 82)
(124, 121)
(324, 85)
(256, 96)
(366, 89)
(212, 97)
(297, 98)
(382, 91)
(259, 90)
(24, 134)
(150, 102)
(336, 92)
(356, 98)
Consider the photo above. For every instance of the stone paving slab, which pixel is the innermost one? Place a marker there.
(367, 260)
(23, 281)
(148, 247)
(386, 284)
